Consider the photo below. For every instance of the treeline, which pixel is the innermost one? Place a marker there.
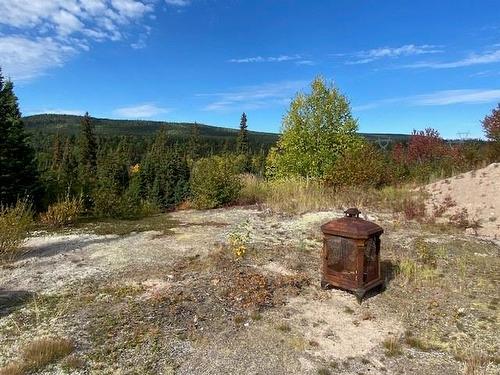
(128, 176)
(124, 176)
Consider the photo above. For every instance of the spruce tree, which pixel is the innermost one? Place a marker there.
(87, 159)
(164, 173)
(193, 147)
(87, 145)
(69, 165)
(18, 173)
(242, 146)
(57, 153)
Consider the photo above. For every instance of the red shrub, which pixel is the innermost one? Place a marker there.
(491, 125)
(425, 146)
(399, 154)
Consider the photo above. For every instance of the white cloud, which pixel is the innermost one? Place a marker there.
(258, 59)
(22, 58)
(447, 97)
(131, 8)
(178, 3)
(67, 23)
(64, 28)
(438, 98)
(474, 59)
(140, 111)
(254, 97)
(364, 57)
(58, 111)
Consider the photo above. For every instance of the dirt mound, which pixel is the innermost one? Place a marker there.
(469, 200)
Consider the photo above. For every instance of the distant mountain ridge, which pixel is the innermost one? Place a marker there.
(69, 124)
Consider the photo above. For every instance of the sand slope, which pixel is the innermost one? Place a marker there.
(476, 191)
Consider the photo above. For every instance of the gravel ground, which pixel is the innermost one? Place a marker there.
(155, 302)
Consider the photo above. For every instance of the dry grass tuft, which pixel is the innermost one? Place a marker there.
(38, 354)
(15, 222)
(44, 351)
(300, 195)
(62, 213)
(13, 368)
(475, 363)
(392, 346)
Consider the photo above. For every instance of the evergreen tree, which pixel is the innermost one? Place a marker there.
(164, 173)
(87, 145)
(18, 174)
(87, 158)
(57, 153)
(242, 145)
(193, 147)
(69, 165)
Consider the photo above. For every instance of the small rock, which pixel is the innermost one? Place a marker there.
(470, 231)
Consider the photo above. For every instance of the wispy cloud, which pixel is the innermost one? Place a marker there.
(466, 96)
(488, 57)
(438, 98)
(305, 62)
(367, 56)
(59, 111)
(24, 58)
(140, 111)
(260, 59)
(178, 3)
(44, 34)
(254, 97)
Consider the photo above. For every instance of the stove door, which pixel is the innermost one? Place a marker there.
(341, 256)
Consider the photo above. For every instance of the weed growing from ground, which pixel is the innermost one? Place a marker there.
(239, 238)
(284, 327)
(392, 346)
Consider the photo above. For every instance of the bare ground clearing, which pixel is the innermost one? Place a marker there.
(177, 301)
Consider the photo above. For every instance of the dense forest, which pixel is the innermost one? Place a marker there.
(66, 166)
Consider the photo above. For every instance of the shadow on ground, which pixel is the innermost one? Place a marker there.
(63, 246)
(11, 300)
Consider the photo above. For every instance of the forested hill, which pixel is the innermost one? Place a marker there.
(69, 124)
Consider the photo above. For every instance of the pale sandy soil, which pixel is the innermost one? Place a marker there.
(477, 191)
(153, 303)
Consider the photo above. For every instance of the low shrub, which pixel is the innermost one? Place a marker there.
(413, 209)
(127, 205)
(365, 166)
(63, 213)
(214, 182)
(15, 222)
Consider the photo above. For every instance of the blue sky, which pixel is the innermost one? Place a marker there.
(403, 64)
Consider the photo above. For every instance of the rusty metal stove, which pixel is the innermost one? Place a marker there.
(351, 251)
